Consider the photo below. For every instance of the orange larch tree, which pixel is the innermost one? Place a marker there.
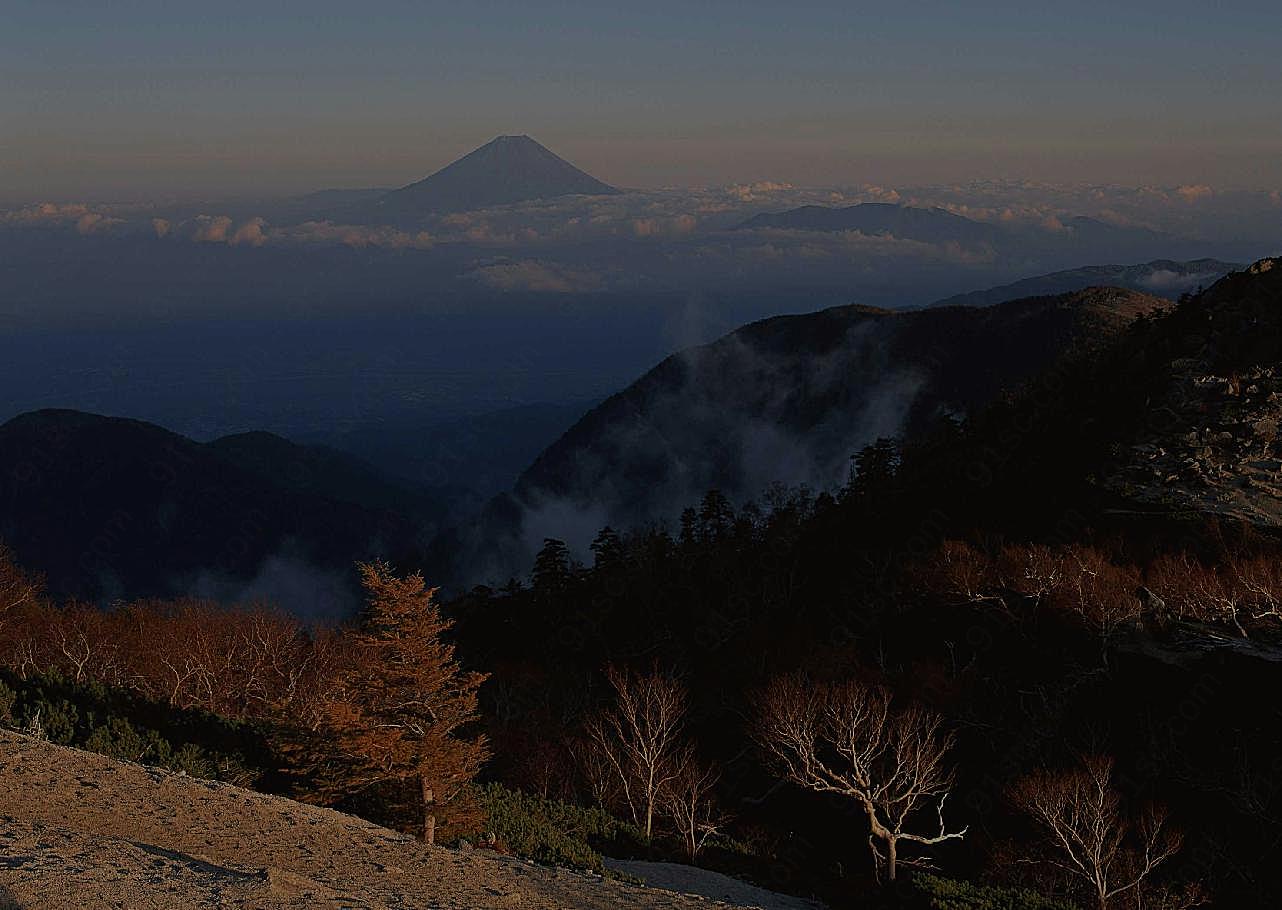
(398, 710)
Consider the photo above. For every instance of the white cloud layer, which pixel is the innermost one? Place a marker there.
(675, 219)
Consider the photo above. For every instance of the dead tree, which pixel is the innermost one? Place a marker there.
(640, 738)
(689, 801)
(845, 739)
(1089, 836)
(17, 588)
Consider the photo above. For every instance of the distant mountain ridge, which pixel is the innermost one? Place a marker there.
(1070, 240)
(1162, 277)
(791, 399)
(504, 171)
(933, 225)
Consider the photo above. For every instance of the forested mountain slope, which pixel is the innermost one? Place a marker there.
(791, 399)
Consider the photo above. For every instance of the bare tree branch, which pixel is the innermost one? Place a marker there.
(845, 739)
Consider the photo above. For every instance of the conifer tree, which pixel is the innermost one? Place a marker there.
(608, 550)
(399, 713)
(553, 569)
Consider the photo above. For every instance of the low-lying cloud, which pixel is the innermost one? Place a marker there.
(672, 215)
(354, 235)
(727, 416)
(250, 233)
(1194, 192)
(212, 229)
(1166, 281)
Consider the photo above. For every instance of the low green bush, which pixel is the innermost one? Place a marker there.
(118, 724)
(553, 832)
(948, 894)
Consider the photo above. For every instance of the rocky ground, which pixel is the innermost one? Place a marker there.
(78, 830)
(1230, 463)
(1214, 442)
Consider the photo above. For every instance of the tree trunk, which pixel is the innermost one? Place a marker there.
(892, 857)
(429, 815)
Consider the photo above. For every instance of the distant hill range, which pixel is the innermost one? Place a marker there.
(791, 399)
(112, 508)
(504, 171)
(1163, 277)
(1080, 238)
(933, 225)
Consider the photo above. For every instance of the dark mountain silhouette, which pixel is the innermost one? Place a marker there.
(1093, 231)
(108, 507)
(934, 225)
(1161, 277)
(321, 470)
(465, 460)
(791, 399)
(505, 170)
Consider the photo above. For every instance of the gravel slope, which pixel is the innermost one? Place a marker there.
(78, 830)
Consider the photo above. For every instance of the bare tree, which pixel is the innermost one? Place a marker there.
(1090, 836)
(640, 738)
(845, 739)
(690, 803)
(1260, 579)
(1199, 592)
(598, 773)
(17, 588)
(1033, 570)
(20, 600)
(1099, 592)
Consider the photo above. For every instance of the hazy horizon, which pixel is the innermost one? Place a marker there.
(145, 101)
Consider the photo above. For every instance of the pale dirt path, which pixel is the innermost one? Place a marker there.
(714, 885)
(79, 831)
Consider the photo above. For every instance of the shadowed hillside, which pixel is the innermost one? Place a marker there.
(791, 399)
(110, 508)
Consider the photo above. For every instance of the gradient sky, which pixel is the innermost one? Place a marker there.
(131, 100)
